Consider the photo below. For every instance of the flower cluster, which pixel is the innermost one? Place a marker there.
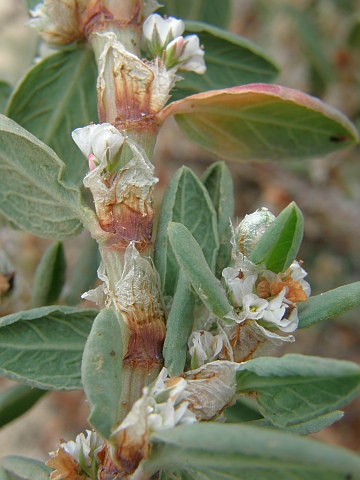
(163, 38)
(262, 301)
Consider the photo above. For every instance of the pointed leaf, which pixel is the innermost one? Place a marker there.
(186, 201)
(44, 102)
(33, 193)
(295, 388)
(5, 90)
(49, 276)
(215, 13)
(230, 60)
(101, 372)
(305, 428)
(22, 468)
(213, 451)
(279, 245)
(191, 259)
(261, 122)
(179, 326)
(218, 182)
(16, 401)
(43, 347)
(329, 304)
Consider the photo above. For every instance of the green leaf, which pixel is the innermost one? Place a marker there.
(230, 60)
(305, 428)
(17, 400)
(49, 276)
(185, 201)
(280, 243)
(25, 468)
(33, 193)
(261, 122)
(43, 347)
(295, 388)
(329, 304)
(210, 451)
(353, 39)
(179, 326)
(218, 182)
(5, 90)
(56, 96)
(84, 272)
(101, 372)
(4, 475)
(215, 13)
(191, 259)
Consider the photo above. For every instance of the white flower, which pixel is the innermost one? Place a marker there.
(253, 307)
(238, 287)
(192, 56)
(84, 449)
(158, 32)
(186, 54)
(204, 347)
(275, 310)
(98, 141)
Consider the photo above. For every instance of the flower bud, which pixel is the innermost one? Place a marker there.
(159, 32)
(251, 229)
(186, 54)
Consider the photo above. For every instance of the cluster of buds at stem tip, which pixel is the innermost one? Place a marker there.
(163, 38)
(262, 301)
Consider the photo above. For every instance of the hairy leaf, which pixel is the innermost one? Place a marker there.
(56, 96)
(280, 243)
(261, 122)
(49, 276)
(185, 201)
(295, 388)
(218, 182)
(17, 400)
(191, 259)
(21, 468)
(329, 304)
(230, 60)
(211, 451)
(179, 326)
(5, 90)
(43, 347)
(101, 372)
(33, 193)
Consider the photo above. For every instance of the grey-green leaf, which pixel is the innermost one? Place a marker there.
(218, 182)
(5, 90)
(191, 259)
(17, 400)
(21, 468)
(43, 347)
(49, 276)
(295, 388)
(211, 451)
(84, 271)
(56, 96)
(179, 326)
(329, 304)
(279, 245)
(305, 428)
(215, 13)
(101, 372)
(230, 60)
(33, 193)
(185, 201)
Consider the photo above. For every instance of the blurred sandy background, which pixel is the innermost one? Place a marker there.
(327, 190)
